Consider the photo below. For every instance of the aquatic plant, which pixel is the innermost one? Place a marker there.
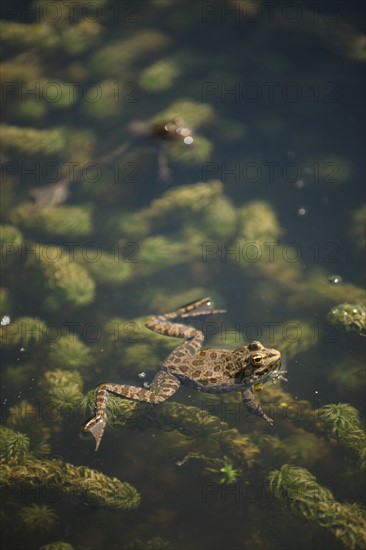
(69, 221)
(86, 486)
(258, 222)
(27, 419)
(38, 517)
(15, 447)
(30, 141)
(5, 302)
(342, 421)
(229, 474)
(65, 281)
(22, 331)
(349, 317)
(349, 376)
(58, 545)
(159, 76)
(178, 201)
(11, 240)
(69, 352)
(108, 268)
(117, 55)
(63, 388)
(299, 489)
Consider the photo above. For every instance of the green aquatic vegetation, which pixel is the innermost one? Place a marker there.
(69, 221)
(106, 104)
(105, 267)
(321, 291)
(228, 473)
(15, 447)
(358, 229)
(156, 543)
(349, 317)
(22, 331)
(62, 388)
(160, 76)
(349, 376)
(116, 56)
(27, 419)
(195, 113)
(189, 155)
(83, 35)
(35, 35)
(295, 336)
(220, 219)
(30, 141)
(69, 352)
(258, 222)
(38, 517)
(299, 490)
(178, 201)
(86, 486)
(11, 239)
(58, 545)
(65, 281)
(342, 421)
(330, 170)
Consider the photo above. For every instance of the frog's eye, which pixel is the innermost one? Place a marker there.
(257, 359)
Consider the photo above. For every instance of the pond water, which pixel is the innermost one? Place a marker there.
(264, 211)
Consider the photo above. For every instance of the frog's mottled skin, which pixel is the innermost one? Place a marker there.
(208, 370)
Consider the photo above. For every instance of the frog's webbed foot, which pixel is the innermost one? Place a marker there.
(96, 427)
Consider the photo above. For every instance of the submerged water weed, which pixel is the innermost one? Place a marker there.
(38, 517)
(299, 489)
(159, 76)
(22, 331)
(342, 421)
(349, 376)
(62, 388)
(86, 486)
(65, 281)
(116, 56)
(349, 317)
(58, 545)
(229, 474)
(15, 447)
(27, 418)
(176, 202)
(30, 141)
(69, 352)
(69, 221)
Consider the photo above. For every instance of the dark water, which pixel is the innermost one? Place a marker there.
(285, 85)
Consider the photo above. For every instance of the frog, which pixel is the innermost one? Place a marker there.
(208, 370)
(168, 131)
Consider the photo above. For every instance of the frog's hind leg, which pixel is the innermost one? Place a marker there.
(164, 386)
(165, 324)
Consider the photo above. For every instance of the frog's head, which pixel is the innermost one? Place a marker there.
(257, 363)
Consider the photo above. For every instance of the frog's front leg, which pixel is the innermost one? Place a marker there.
(253, 406)
(164, 386)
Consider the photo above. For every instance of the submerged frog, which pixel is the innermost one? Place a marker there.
(208, 370)
(138, 132)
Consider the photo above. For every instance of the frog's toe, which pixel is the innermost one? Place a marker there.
(96, 427)
(269, 420)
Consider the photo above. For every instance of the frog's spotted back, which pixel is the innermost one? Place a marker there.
(209, 370)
